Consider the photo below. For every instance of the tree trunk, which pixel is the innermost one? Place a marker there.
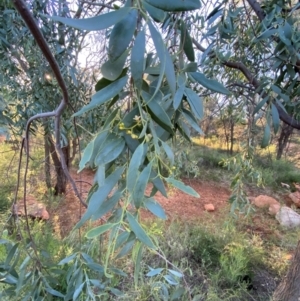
(47, 162)
(74, 150)
(61, 179)
(286, 132)
(289, 288)
(231, 135)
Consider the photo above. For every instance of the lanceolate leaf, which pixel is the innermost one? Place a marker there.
(113, 69)
(175, 5)
(158, 183)
(137, 59)
(107, 205)
(100, 195)
(260, 104)
(134, 165)
(140, 186)
(170, 72)
(104, 95)
(139, 231)
(182, 187)
(99, 230)
(209, 83)
(154, 207)
(154, 272)
(96, 23)
(275, 117)
(103, 82)
(99, 140)
(267, 135)
(195, 102)
(121, 35)
(168, 152)
(157, 112)
(167, 66)
(187, 43)
(178, 97)
(110, 150)
(87, 153)
(192, 121)
(157, 14)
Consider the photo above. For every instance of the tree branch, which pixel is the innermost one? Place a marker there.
(33, 27)
(257, 9)
(283, 115)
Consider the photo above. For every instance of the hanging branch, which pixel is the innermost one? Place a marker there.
(33, 27)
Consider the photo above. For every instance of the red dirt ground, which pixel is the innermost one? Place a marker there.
(178, 204)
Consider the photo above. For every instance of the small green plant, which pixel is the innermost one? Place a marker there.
(234, 263)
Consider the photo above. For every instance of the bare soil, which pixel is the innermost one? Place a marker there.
(178, 205)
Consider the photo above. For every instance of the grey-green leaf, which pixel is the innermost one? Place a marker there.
(183, 187)
(154, 272)
(195, 102)
(191, 120)
(154, 207)
(157, 14)
(139, 231)
(260, 104)
(175, 5)
(140, 186)
(107, 205)
(169, 152)
(99, 230)
(167, 66)
(209, 83)
(121, 35)
(111, 70)
(137, 59)
(54, 292)
(87, 153)
(110, 150)
(275, 117)
(157, 112)
(78, 291)
(187, 43)
(96, 23)
(267, 135)
(178, 97)
(158, 42)
(134, 165)
(104, 95)
(100, 195)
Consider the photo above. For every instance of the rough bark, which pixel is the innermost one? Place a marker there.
(231, 136)
(289, 288)
(74, 150)
(61, 179)
(47, 162)
(285, 134)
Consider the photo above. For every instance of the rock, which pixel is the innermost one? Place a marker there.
(274, 208)
(209, 207)
(35, 209)
(287, 217)
(264, 201)
(295, 197)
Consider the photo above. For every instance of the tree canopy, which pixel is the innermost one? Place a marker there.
(162, 58)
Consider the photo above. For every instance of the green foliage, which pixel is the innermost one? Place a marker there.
(154, 93)
(275, 172)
